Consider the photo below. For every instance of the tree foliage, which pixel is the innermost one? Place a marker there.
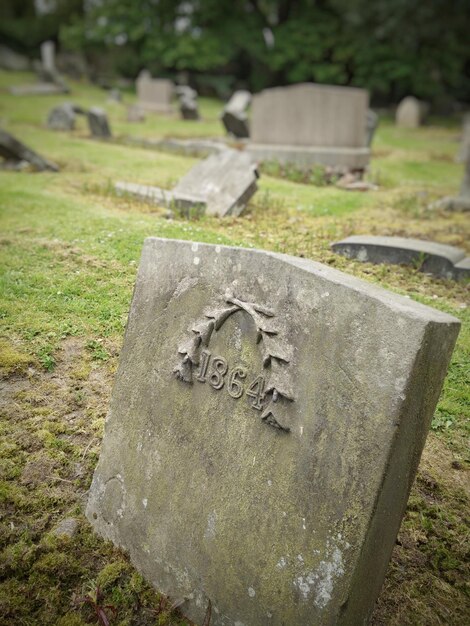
(392, 47)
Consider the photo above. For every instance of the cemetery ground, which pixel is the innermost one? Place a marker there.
(69, 254)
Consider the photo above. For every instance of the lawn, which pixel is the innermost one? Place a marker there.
(69, 254)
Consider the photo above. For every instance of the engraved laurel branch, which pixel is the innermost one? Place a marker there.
(276, 353)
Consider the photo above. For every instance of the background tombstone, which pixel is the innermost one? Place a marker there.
(465, 142)
(234, 116)
(267, 420)
(154, 94)
(98, 123)
(372, 121)
(114, 95)
(48, 58)
(410, 112)
(15, 152)
(135, 113)
(188, 102)
(462, 201)
(308, 124)
(62, 117)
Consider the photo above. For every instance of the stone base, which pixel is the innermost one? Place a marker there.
(306, 156)
(453, 204)
(152, 107)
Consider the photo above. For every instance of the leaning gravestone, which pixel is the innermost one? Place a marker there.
(309, 124)
(266, 424)
(410, 112)
(15, 152)
(434, 258)
(234, 116)
(222, 184)
(98, 123)
(154, 94)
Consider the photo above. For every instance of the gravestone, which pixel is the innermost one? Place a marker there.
(434, 258)
(310, 124)
(372, 121)
(114, 95)
(62, 117)
(98, 123)
(410, 112)
(188, 102)
(154, 94)
(222, 184)
(465, 142)
(234, 116)
(48, 58)
(12, 61)
(266, 424)
(135, 113)
(15, 152)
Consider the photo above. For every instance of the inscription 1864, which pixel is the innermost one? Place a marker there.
(215, 370)
(267, 392)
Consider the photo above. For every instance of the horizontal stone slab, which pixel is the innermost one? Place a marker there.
(159, 196)
(266, 423)
(434, 258)
(303, 156)
(38, 89)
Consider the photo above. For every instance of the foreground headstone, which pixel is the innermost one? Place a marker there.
(98, 123)
(222, 184)
(410, 112)
(234, 116)
(154, 94)
(266, 424)
(15, 152)
(310, 124)
(434, 258)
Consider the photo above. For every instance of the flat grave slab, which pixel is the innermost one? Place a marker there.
(435, 258)
(266, 424)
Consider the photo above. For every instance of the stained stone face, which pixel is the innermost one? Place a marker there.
(266, 424)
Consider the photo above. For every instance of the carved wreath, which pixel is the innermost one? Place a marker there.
(276, 353)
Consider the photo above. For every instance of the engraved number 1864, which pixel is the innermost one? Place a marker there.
(215, 369)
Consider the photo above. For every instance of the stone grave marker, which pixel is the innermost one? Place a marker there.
(234, 116)
(14, 152)
(462, 201)
(188, 102)
(135, 113)
(98, 123)
(154, 94)
(310, 124)
(62, 117)
(465, 142)
(48, 57)
(372, 121)
(434, 258)
(410, 112)
(222, 184)
(266, 424)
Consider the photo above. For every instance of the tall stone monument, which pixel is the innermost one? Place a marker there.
(48, 57)
(308, 123)
(154, 94)
(266, 424)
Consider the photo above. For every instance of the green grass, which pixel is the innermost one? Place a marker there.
(69, 252)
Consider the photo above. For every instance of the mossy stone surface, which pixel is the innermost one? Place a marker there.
(286, 520)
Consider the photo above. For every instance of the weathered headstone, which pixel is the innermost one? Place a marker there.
(62, 117)
(465, 142)
(226, 180)
(14, 152)
(98, 123)
(234, 116)
(267, 420)
(135, 113)
(410, 112)
(188, 102)
(222, 184)
(114, 95)
(434, 258)
(154, 94)
(372, 121)
(311, 124)
(48, 57)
